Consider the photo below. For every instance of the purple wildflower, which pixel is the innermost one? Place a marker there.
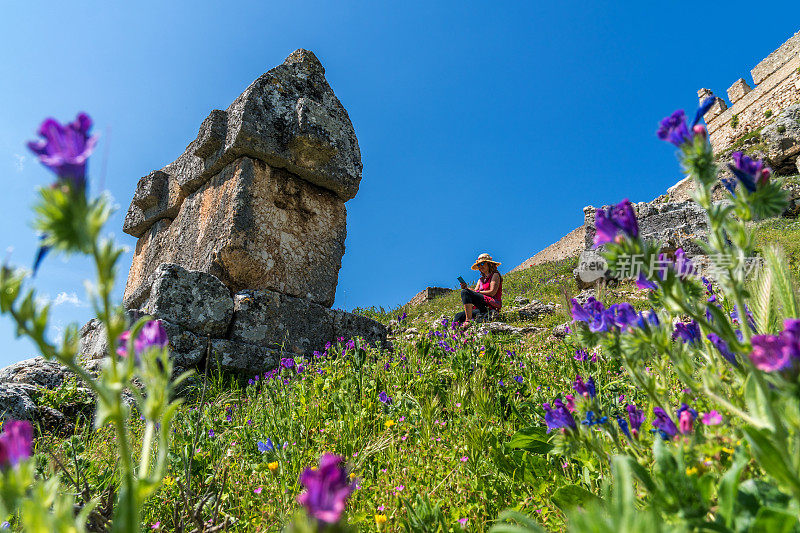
(287, 362)
(615, 222)
(327, 489)
(66, 148)
(674, 129)
(265, 447)
(592, 420)
(585, 388)
(686, 416)
(624, 315)
(687, 331)
(712, 418)
(594, 313)
(623, 426)
(770, 353)
(643, 283)
(16, 442)
(751, 173)
(635, 416)
(581, 355)
(664, 424)
(385, 398)
(152, 335)
(722, 346)
(558, 416)
(518, 379)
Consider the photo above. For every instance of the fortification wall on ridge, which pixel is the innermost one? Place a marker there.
(776, 82)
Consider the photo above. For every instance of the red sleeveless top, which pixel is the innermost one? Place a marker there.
(492, 301)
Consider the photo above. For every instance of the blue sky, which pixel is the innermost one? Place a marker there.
(483, 126)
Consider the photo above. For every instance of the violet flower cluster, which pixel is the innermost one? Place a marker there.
(16, 442)
(615, 223)
(620, 316)
(773, 353)
(558, 416)
(65, 149)
(152, 335)
(327, 489)
(751, 173)
(674, 129)
(666, 427)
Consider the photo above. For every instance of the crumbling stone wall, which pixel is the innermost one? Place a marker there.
(776, 85)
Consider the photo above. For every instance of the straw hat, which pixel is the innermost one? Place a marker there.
(484, 258)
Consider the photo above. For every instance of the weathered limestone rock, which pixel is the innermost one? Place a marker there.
(35, 371)
(536, 310)
(349, 325)
(297, 326)
(194, 300)
(254, 227)
(253, 208)
(429, 293)
(676, 225)
(277, 321)
(782, 138)
(257, 199)
(93, 342)
(16, 403)
(241, 358)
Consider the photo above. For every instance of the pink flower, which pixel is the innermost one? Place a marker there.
(157, 525)
(712, 418)
(463, 521)
(570, 403)
(257, 490)
(381, 508)
(464, 459)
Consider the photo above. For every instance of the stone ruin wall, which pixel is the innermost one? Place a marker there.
(776, 82)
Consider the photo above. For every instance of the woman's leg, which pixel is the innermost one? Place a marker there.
(472, 299)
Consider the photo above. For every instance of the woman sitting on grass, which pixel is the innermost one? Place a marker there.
(488, 292)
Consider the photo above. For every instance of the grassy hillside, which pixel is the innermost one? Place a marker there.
(428, 429)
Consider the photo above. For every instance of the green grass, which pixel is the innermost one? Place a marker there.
(443, 444)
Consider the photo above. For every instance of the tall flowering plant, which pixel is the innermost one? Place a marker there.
(70, 221)
(730, 344)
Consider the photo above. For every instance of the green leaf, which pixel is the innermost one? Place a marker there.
(727, 491)
(571, 496)
(756, 402)
(770, 458)
(532, 439)
(774, 520)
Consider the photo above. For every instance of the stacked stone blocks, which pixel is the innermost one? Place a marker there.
(776, 86)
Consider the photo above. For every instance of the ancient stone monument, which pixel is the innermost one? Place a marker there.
(240, 239)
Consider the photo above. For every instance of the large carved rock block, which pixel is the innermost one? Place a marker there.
(254, 227)
(277, 321)
(257, 199)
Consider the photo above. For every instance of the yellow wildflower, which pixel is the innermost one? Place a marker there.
(380, 519)
(352, 475)
(691, 471)
(389, 423)
(273, 466)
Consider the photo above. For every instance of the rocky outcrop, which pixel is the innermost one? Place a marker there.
(257, 199)
(248, 331)
(675, 225)
(22, 386)
(240, 239)
(782, 139)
